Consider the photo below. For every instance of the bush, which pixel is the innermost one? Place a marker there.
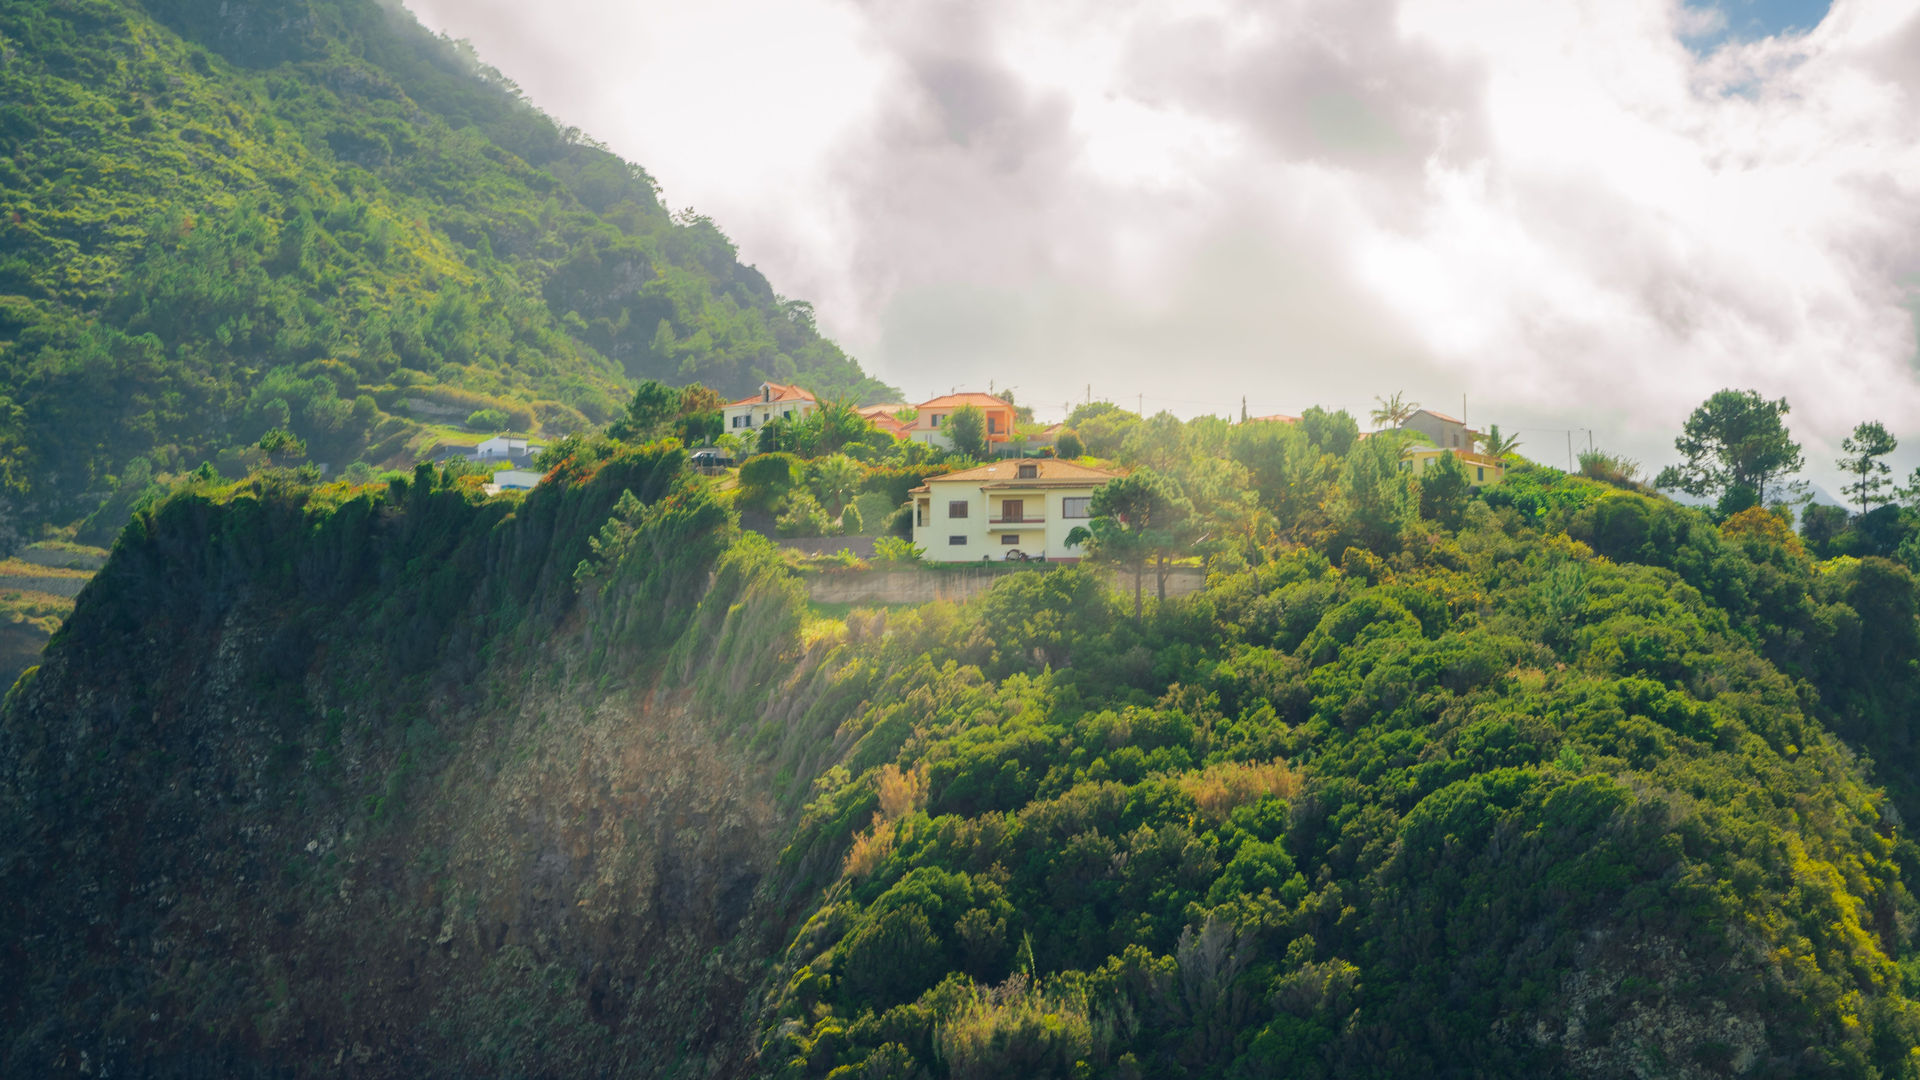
(875, 509)
(766, 479)
(893, 549)
(802, 515)
(850, 522)
(1067, 445)
(486, 420)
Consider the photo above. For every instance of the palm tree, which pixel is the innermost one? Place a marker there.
(1393, 411)
(1497, 445)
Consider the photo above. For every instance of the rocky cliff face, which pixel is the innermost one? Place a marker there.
(367, 790)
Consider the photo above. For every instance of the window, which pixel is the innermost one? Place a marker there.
(957, 508)
(1029, 472)
(1076, 506)
(786, 414)
(1479, 472)
(936, 419)
(993, 425)
(920, 514)
(956, 541)
(1009, 538)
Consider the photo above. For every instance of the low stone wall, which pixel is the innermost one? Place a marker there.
(916, 585)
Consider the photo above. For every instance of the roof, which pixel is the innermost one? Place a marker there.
(775, 392)
(954, 401)
(1278, 418)
(883, 410)
(1050, 472)
(1441, 416)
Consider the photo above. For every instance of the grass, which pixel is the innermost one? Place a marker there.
(23, 568)
(817, 611)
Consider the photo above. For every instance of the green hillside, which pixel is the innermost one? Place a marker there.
(1555, 778)
(221, 218)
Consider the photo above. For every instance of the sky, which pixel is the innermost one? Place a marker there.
(1574, 218)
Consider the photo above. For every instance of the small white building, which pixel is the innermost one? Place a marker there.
(775, 401)
(509, 447)
(516, 479)
(1009, 509)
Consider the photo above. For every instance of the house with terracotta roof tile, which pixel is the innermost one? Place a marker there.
(929, 424)
(882, 417)
(1011, 509)
(775, 401)
(1447, 432)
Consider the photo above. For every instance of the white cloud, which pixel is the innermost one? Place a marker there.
(1555, 208)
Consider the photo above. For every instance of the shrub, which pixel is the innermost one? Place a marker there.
(766, 479)
(896, 549)
(486, 420)
(802, 515)
(850, 521)
(1067, 445)
(875, 509)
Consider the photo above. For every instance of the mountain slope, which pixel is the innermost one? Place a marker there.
(218, 218)
(570, 784)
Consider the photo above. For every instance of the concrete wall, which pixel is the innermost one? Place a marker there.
(914, 585)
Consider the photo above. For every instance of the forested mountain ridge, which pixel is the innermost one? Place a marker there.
(1557, 778)
(221, 218)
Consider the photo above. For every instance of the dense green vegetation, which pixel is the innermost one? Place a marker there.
(1558, 777)
(218, 220)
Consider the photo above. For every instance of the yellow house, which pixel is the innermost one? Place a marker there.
(1482, 469)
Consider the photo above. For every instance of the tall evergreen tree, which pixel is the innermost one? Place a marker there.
(1870, 442)
(1737, 451)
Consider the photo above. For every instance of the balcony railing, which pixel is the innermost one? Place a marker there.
(1017, 521)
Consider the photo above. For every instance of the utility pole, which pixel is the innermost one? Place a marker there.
(1089, 393)
(1569, 449)
(1140, 404)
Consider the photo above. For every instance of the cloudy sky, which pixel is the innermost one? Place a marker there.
(1577, 214)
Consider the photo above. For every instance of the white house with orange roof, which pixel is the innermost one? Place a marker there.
(930, 419)
(775, 401)
(1011, 509)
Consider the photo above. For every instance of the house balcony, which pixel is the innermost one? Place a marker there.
(1017, 521)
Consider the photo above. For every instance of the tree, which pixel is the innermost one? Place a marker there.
(1393, 411)
(1737, 449)
(1136, 518)
(1870, 442)
(653, 406)
(1287, 470)
(835, 480)
(1067, 445)
(1443, 490)
(1822, 527)
(1330, 432)
(1495, 444)
(967, 430)
(1375, 499)
(282, 446)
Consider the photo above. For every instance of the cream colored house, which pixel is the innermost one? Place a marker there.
(1482, 469)
(1019, 508)
(775, 401)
